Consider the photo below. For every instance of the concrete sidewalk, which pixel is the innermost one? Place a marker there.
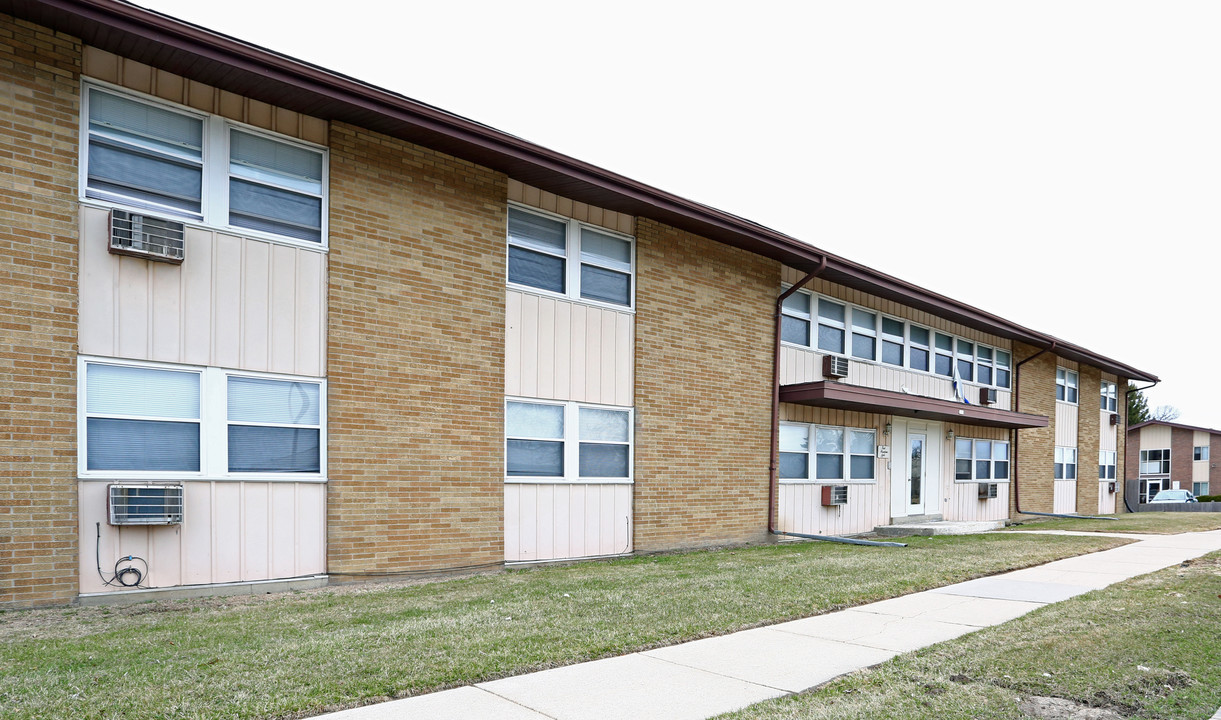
(704, 678)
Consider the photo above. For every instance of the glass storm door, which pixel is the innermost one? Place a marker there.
(915, 474)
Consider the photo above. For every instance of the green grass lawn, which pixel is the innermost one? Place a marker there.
(1145, 648)
(1154, 523)
(302, 653)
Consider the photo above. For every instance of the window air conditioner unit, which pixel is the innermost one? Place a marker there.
(1114, 418)
(1111, 487)
(987, 396)
(987, 491)
(833, 495)
(147, 237)
(145, 504)
(834, 366)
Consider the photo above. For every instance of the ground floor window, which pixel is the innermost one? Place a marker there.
(1106, 464)
(826, 453)
(1150, 487)
(1200, 488)
(143, 420)
(1066, 463)
(980, 459)
(567, 441)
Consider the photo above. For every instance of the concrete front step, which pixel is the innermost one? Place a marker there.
(916, 519)
(939, 528)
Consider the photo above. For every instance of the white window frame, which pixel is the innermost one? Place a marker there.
(1108, 400)
(572, 445)
(885, 337)
(1068, 382)
(1162, 461)
(878, 336)
(1065, 458)
(214, 195)
(846, 455)
(572, 259)
(809, 317)
(213, 425)
(1108, 460)
(1199, 488)
(975, 458)
(1200, 453)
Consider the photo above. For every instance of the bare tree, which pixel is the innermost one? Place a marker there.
(1165, 413)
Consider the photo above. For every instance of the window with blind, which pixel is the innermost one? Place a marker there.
(155, 156)
(567, 441)
(838, 453)
(142, 419)
(560, 255)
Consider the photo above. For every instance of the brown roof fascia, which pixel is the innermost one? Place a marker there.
(1180, 426)
(218, 59)
(862, 399)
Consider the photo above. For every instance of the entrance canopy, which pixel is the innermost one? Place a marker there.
(840, 396)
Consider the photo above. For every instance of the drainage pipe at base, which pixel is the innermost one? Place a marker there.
(844, 540)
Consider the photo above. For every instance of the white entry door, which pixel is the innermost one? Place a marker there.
(917, 476)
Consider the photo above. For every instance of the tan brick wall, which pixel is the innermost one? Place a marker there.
(1089, 386)
(704, 342)
(415, 358)
(1036, 446)
(39, 74)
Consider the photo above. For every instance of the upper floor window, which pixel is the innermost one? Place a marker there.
(1199, 452)
(1108, 398)
(826, 453)
(154, 420)
(567, 257)
(981, 459)
(1155, 462)
(154, 156)
(824, 324)
(1066, 385)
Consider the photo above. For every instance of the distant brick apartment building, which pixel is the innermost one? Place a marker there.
(265, 324)
(1172, 456)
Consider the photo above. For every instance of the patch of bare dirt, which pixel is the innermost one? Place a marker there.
(1051, 708)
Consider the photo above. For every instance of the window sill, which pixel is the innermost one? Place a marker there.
(527, 290)
(243, 233)
(824, 481)
(879, 363)
(568, 481)
(134, 477)
(980, 482)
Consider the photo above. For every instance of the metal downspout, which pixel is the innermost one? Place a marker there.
(773, 476)
(1127, 505)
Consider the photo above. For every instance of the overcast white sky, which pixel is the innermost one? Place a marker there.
(982, 150)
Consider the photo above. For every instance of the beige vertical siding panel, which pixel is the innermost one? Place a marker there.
(1154, 437)
(226, 320)
(197, 534)
(544, 525)
(98, 286)
(561, 523)
(228, 561)
(282, 318)
(137, 76)
(1066, 425)
(1107, 439)
(1064, 499)
(593, 354)
(97, 63)
(513, 529)
(166, 309)
(610, 357)
(544, 357)
(164, 544)
(133, 292)
(311, 313)
(564, 346)
(529, 343)
(311, 528)
(256, 305)
(258, 114)
(197, 311)
(593, 521)
(625, 362)
(608, 522)
(255, 546)
(92, 514)
(281, 530)
(580, 349)
(513, 343)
